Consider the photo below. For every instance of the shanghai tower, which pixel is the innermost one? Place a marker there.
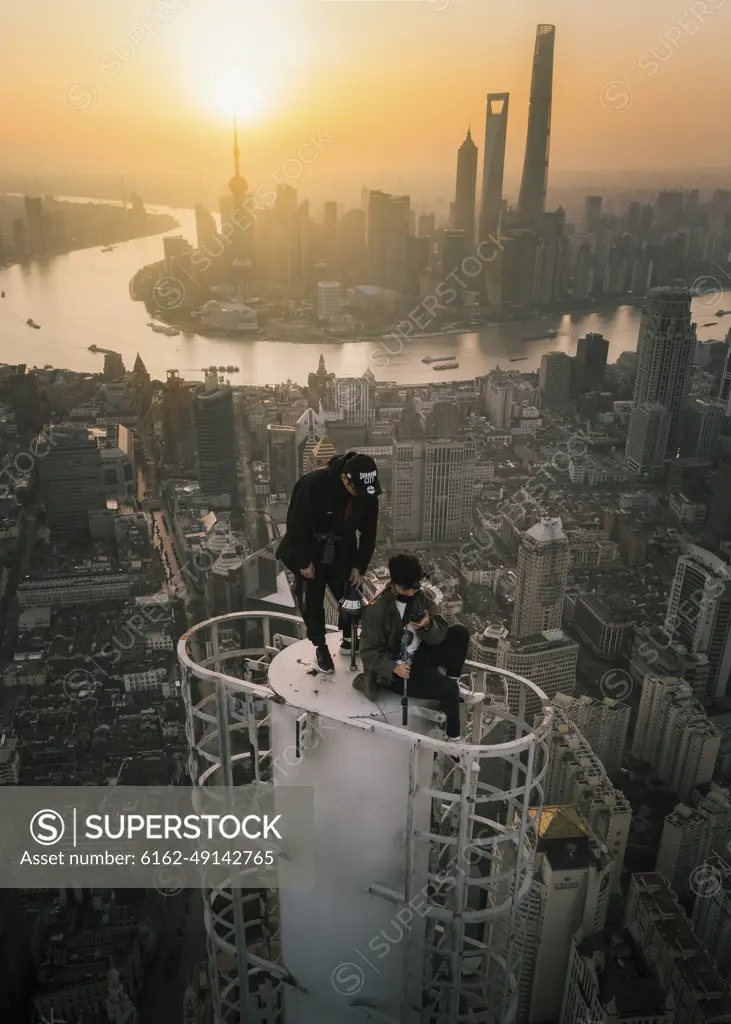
(532, 201)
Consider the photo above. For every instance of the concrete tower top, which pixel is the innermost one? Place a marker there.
(332, 696)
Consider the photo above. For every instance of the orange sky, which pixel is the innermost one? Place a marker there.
(143, 87)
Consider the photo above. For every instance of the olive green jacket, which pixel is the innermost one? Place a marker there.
(382, 628)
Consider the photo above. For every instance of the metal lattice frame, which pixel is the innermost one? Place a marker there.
(472, 868)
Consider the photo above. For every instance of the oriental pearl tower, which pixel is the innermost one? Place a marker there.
(243, 239)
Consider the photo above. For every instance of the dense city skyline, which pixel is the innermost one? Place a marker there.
(129, 95)
(384, 483)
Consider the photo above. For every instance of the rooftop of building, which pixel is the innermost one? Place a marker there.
(550, 638)
(622, 975)
(558, 821)
(547, 531)
(690, 957)
(707, 561)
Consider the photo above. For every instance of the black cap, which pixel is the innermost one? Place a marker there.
(362, 472)
(405, 571)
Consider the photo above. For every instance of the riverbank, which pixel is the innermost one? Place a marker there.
(83, 298)
(74, 227)
(187, 325)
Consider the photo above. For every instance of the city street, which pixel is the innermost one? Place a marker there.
(175, 578)
(182, 945)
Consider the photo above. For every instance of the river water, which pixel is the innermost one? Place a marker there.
(83, 298)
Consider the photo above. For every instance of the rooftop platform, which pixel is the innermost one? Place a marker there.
(293, 675)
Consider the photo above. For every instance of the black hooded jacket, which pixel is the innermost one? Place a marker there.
(321, 505)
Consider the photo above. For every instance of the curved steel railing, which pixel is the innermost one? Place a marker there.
(482, 796)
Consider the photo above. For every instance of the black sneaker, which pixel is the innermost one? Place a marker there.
(346, 645)
(324, 660)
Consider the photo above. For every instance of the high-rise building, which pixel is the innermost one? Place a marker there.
(665, 354)
(532, 201)
(305, 240)
(206, 229)
(9, 759)
(329, 301)
(673, 734)
(554, 379)
(551, 273)
(464, 203)
(716, 804)
(725, 392)
(684, 845)
(691, 835)
(217, 451)
(604, 724)
(648, 438)
(432, 490)
(330, 221)
(20, 237)
(493, 162)
(484, 647)
(577, 775)
(317, 454)
(388, 232)
(427, 223)
(652, 656)
(175, 248)
(353, 244)
(590, 364)
(36, 224)
(719, 505)
(543, 564)
(286, 242)
(418, 257)
(451, 250)
(498, 400)
(176, 408)
(671, 948)
(699, 615)
(669, 207)
(25, 399)
(282, 455)
(607, 970)
(569, 892)
(592, 214)
(549, 658)
(701, 426)
(71, 482)
(354, 398)
(712, 913)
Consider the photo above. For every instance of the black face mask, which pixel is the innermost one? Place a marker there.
(416, 588)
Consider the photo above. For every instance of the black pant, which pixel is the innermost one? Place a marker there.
(426, 681)
(310, 596)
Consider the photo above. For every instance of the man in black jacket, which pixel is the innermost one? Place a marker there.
(331, 535)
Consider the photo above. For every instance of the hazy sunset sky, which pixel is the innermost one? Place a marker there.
(392, 85)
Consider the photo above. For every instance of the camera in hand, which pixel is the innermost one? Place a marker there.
(328, 540)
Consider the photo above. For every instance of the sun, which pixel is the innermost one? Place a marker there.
(241, 94)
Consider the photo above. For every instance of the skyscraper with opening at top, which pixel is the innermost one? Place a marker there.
(493, 163)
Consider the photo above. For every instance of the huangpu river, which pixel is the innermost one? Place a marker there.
(82, 298)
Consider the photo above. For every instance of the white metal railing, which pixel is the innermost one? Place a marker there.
(481, 794)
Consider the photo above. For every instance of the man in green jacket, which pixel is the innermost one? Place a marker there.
(405, 641)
